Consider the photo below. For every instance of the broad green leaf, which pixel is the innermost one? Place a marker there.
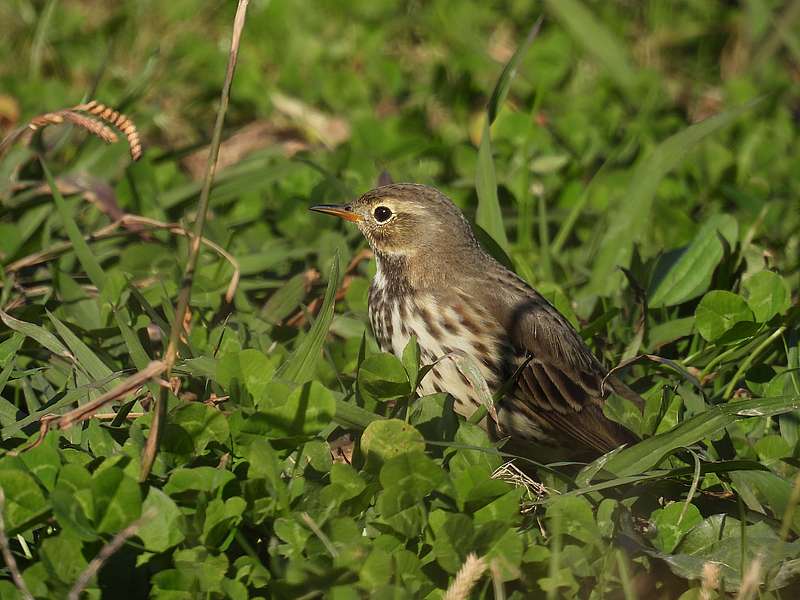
(63, 556)
(265, 464)
(44, 461)
(221, 521)
(506, 554)
(25, 502)
(200, 478)
(383, 377)
(345, 484)
(299, 367)
(251, 367)
(383, 440)
(474, 488)
(767, 295)
(307, 410)
(117, 499)
(473, 447)
(719, 311)
(721, 540)
(577, 518)
(672, 523)
(452, 538)
(411, 361)
(691, 274)
(413, 473)
(203, 424)
(164, 528)
(73, 501)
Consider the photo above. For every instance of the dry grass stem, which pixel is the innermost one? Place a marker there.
(466, 578)
(134, 382)
(112, 415)
(105, 553)
(497, 581)
(185, 293)
(7, 555)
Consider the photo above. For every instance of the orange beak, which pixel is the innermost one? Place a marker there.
(343, 212)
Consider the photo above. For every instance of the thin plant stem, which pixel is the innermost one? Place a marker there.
(750, 358)
(107, 552)
(184, 296)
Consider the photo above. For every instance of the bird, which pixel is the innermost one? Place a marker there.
(434, 281)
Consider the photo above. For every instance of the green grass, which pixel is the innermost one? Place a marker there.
(658, 138)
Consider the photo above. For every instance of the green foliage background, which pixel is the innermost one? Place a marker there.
(641, 170)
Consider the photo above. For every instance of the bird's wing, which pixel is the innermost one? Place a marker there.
(561, 388)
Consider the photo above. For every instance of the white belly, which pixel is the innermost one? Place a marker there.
(439, 346)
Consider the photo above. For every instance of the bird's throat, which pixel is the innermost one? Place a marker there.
(392, 275)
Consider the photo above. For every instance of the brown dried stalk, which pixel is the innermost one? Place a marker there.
(96, 126)
(185, 293)
(83, 412)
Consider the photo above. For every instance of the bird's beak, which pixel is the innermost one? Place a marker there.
(344, 212)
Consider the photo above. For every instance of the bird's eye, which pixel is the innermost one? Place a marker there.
(382, 214)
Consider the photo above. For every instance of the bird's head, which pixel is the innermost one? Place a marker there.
(405, 219)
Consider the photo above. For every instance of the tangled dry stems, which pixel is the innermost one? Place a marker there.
(534, 491)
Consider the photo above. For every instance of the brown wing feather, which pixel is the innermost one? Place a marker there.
(560, 388)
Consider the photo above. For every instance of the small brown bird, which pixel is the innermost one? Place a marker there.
(435, 282)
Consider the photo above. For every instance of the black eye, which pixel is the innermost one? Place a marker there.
(382, 214)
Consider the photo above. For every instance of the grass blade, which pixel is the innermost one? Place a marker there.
(631, 217)
(36, 332)
(503, 84)
(82, 251)
(648, 453)
(84, 356)
(596, 39)
(489, 216)
(299, 367)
